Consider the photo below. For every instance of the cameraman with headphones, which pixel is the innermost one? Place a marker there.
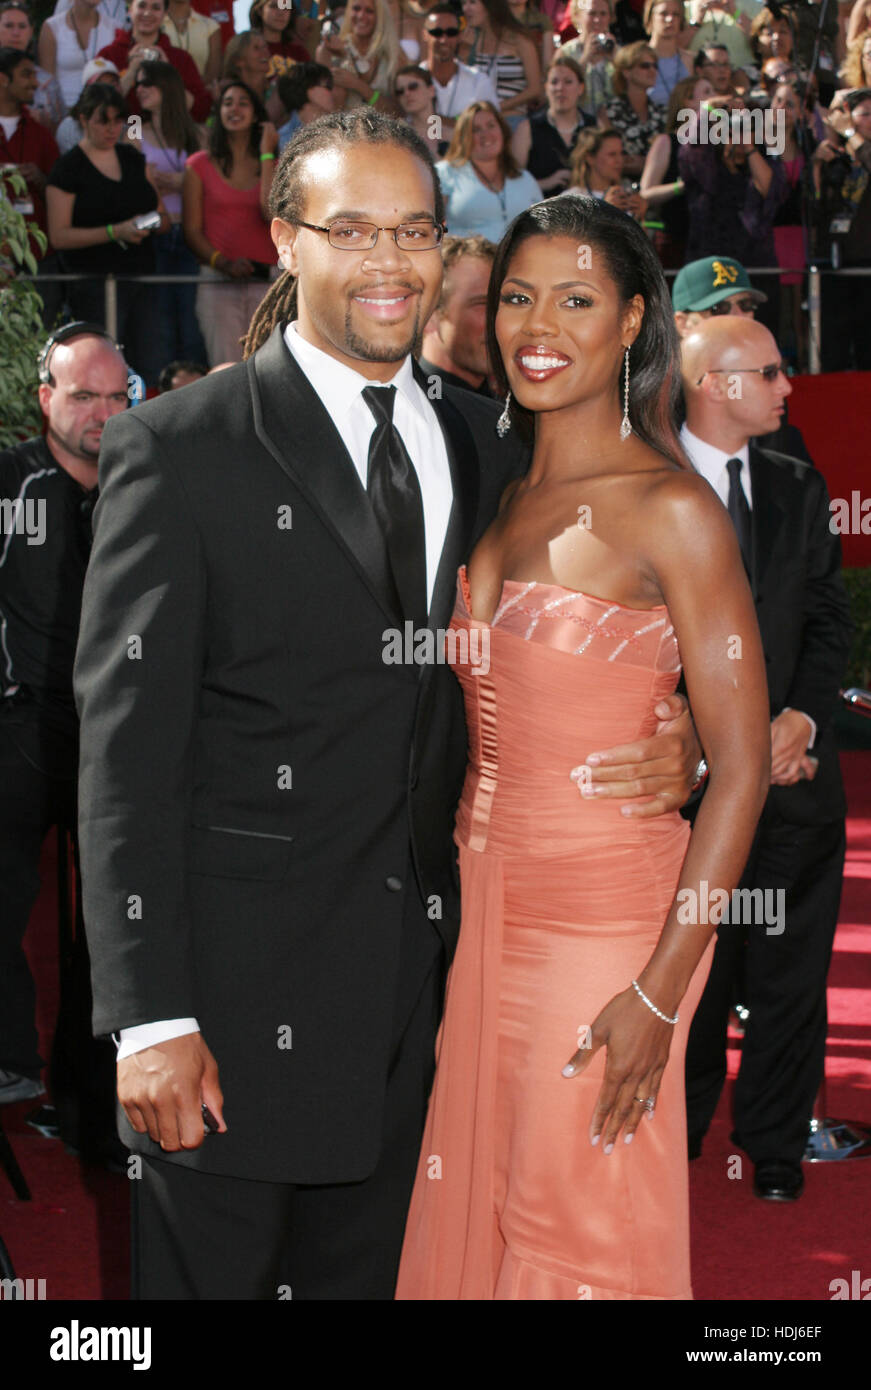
(48, 487)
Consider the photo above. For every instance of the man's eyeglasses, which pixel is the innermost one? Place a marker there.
(443, 33)
(362, 236)
(409, 87)
(729, 306)
(770, 373)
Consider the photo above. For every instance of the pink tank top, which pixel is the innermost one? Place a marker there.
(232, 221)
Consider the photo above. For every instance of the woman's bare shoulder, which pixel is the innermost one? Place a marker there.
(682, 508)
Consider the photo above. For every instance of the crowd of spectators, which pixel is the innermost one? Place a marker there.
(148, 132)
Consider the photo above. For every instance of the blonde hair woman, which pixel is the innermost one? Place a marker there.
(856, 71)
(630, 111)
(365, 56)
(483, 187)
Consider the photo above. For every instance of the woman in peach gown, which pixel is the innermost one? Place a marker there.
(609, 566)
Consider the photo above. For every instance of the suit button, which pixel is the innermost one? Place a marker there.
(415, 778)
(393, 883)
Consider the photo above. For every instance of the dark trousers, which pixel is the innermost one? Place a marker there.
(178, 330)
(31, 801)
(784, 988)
(199, 1236)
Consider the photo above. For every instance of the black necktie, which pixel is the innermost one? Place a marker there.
(739, 509)
(394, 492)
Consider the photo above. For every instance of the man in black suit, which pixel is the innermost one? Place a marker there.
(266, 799)
(735, 390)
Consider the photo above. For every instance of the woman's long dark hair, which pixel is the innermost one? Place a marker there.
(219, 144)
(654, 357)
(179, 130)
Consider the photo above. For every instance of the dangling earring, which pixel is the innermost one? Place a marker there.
(503, 424)
(625, 427)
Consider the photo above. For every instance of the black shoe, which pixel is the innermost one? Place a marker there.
(777, 1180)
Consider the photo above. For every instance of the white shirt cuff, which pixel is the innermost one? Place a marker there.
(132, 1040)
(813, 738)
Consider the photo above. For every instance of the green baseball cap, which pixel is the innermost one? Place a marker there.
(704, 283)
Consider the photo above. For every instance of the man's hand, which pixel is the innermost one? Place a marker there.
(162, 1089)
(662, 768)
(790, 732)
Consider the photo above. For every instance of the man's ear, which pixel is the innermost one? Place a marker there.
(44, 397)
(680, 322)
(714, 386)
(285, 236)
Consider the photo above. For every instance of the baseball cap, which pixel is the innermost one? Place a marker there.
(97, 67)
(705, 282)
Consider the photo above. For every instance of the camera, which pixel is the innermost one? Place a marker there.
(147, 221)
(605, 42)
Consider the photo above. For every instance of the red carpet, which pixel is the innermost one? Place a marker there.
(74, 1232)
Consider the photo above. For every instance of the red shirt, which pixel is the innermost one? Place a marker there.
(31, 143)
(232, 220)
(118, 53)
(221, 11)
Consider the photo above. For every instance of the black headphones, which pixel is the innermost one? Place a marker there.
(81, 329)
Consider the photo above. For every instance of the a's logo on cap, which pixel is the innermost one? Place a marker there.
(725, 274)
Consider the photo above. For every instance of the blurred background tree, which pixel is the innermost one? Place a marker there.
(21, 328)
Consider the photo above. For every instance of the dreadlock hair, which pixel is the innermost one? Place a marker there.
(629, 259)
(288, 196)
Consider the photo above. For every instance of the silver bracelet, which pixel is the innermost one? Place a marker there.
(659, 1014)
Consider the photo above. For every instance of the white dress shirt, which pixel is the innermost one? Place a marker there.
(711, 462)
(466, 85)
(340, 390)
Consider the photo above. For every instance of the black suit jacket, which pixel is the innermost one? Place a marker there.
(252, 771)
(804, 616)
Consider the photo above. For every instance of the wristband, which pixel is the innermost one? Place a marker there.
(677, 186)
(110, 232)
(267, 156)
(213, 258)
(374, 97)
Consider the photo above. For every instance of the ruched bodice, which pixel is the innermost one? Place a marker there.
(563, 901)
(554, 676)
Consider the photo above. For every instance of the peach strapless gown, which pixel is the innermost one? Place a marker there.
(563, 901)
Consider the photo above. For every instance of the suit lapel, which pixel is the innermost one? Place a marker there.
(766, 520)
(292, 423)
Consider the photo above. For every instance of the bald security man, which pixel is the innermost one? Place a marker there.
(735, 390)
